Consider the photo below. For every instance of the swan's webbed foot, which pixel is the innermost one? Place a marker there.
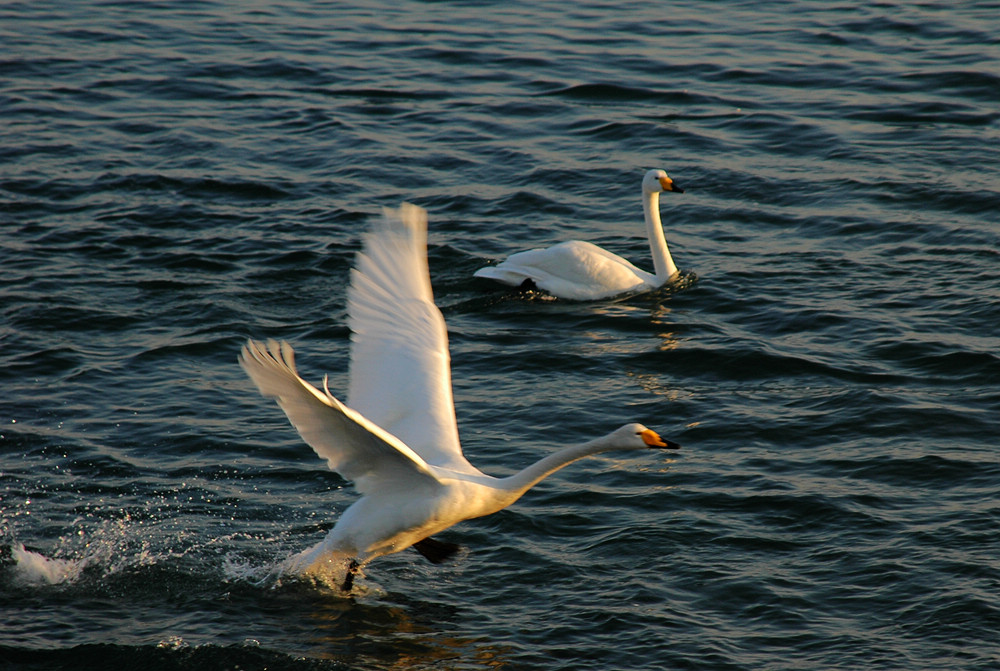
(352, 570)
(436, 551)
(528, 285)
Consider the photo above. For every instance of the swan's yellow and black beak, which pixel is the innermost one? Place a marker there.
(667, 184)
(652, 438)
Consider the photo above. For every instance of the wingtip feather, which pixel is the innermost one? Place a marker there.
(271, 366)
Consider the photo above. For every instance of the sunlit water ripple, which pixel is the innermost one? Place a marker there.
(176, 177)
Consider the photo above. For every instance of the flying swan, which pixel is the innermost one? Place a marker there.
(398, 440)
(585, 272)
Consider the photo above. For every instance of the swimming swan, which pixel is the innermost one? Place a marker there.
(585, 272)
(398, 442)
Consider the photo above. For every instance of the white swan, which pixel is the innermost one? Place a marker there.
(583, 271)
(398, 441)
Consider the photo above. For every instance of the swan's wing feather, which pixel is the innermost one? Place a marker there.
(351, 444)
(400, 366)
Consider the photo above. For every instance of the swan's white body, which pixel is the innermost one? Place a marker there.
(583, 271)
(398, 442)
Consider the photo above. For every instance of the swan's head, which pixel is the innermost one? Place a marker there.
(656, 181)
(638, 436)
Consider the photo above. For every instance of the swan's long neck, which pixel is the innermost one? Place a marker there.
(663, 263)
(517, 484)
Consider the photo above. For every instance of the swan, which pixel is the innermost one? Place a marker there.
(398, 440)
(585, 272)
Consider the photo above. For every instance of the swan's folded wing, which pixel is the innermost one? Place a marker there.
(400, 366)
(573, 269)
(351, 444)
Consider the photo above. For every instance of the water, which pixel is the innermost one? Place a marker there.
(177, 176)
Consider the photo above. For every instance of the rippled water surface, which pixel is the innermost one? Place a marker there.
(178, 176)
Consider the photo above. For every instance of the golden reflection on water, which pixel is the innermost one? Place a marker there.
(385, 636)
(598, 342)
(652, 384)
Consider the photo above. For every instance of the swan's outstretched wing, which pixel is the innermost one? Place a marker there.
(351, 444)
(400, 367)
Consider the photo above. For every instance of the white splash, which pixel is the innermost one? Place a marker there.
(36, 568)
(237, 569)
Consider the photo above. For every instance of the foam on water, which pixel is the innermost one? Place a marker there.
(34, 567)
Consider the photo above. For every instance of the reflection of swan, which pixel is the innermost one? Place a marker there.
(398, 441)
(585, 272)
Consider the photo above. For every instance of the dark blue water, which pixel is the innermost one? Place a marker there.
(178, 176)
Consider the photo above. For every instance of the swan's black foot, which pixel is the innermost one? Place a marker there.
(528, 285)
(352, 570)
(436, 551)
